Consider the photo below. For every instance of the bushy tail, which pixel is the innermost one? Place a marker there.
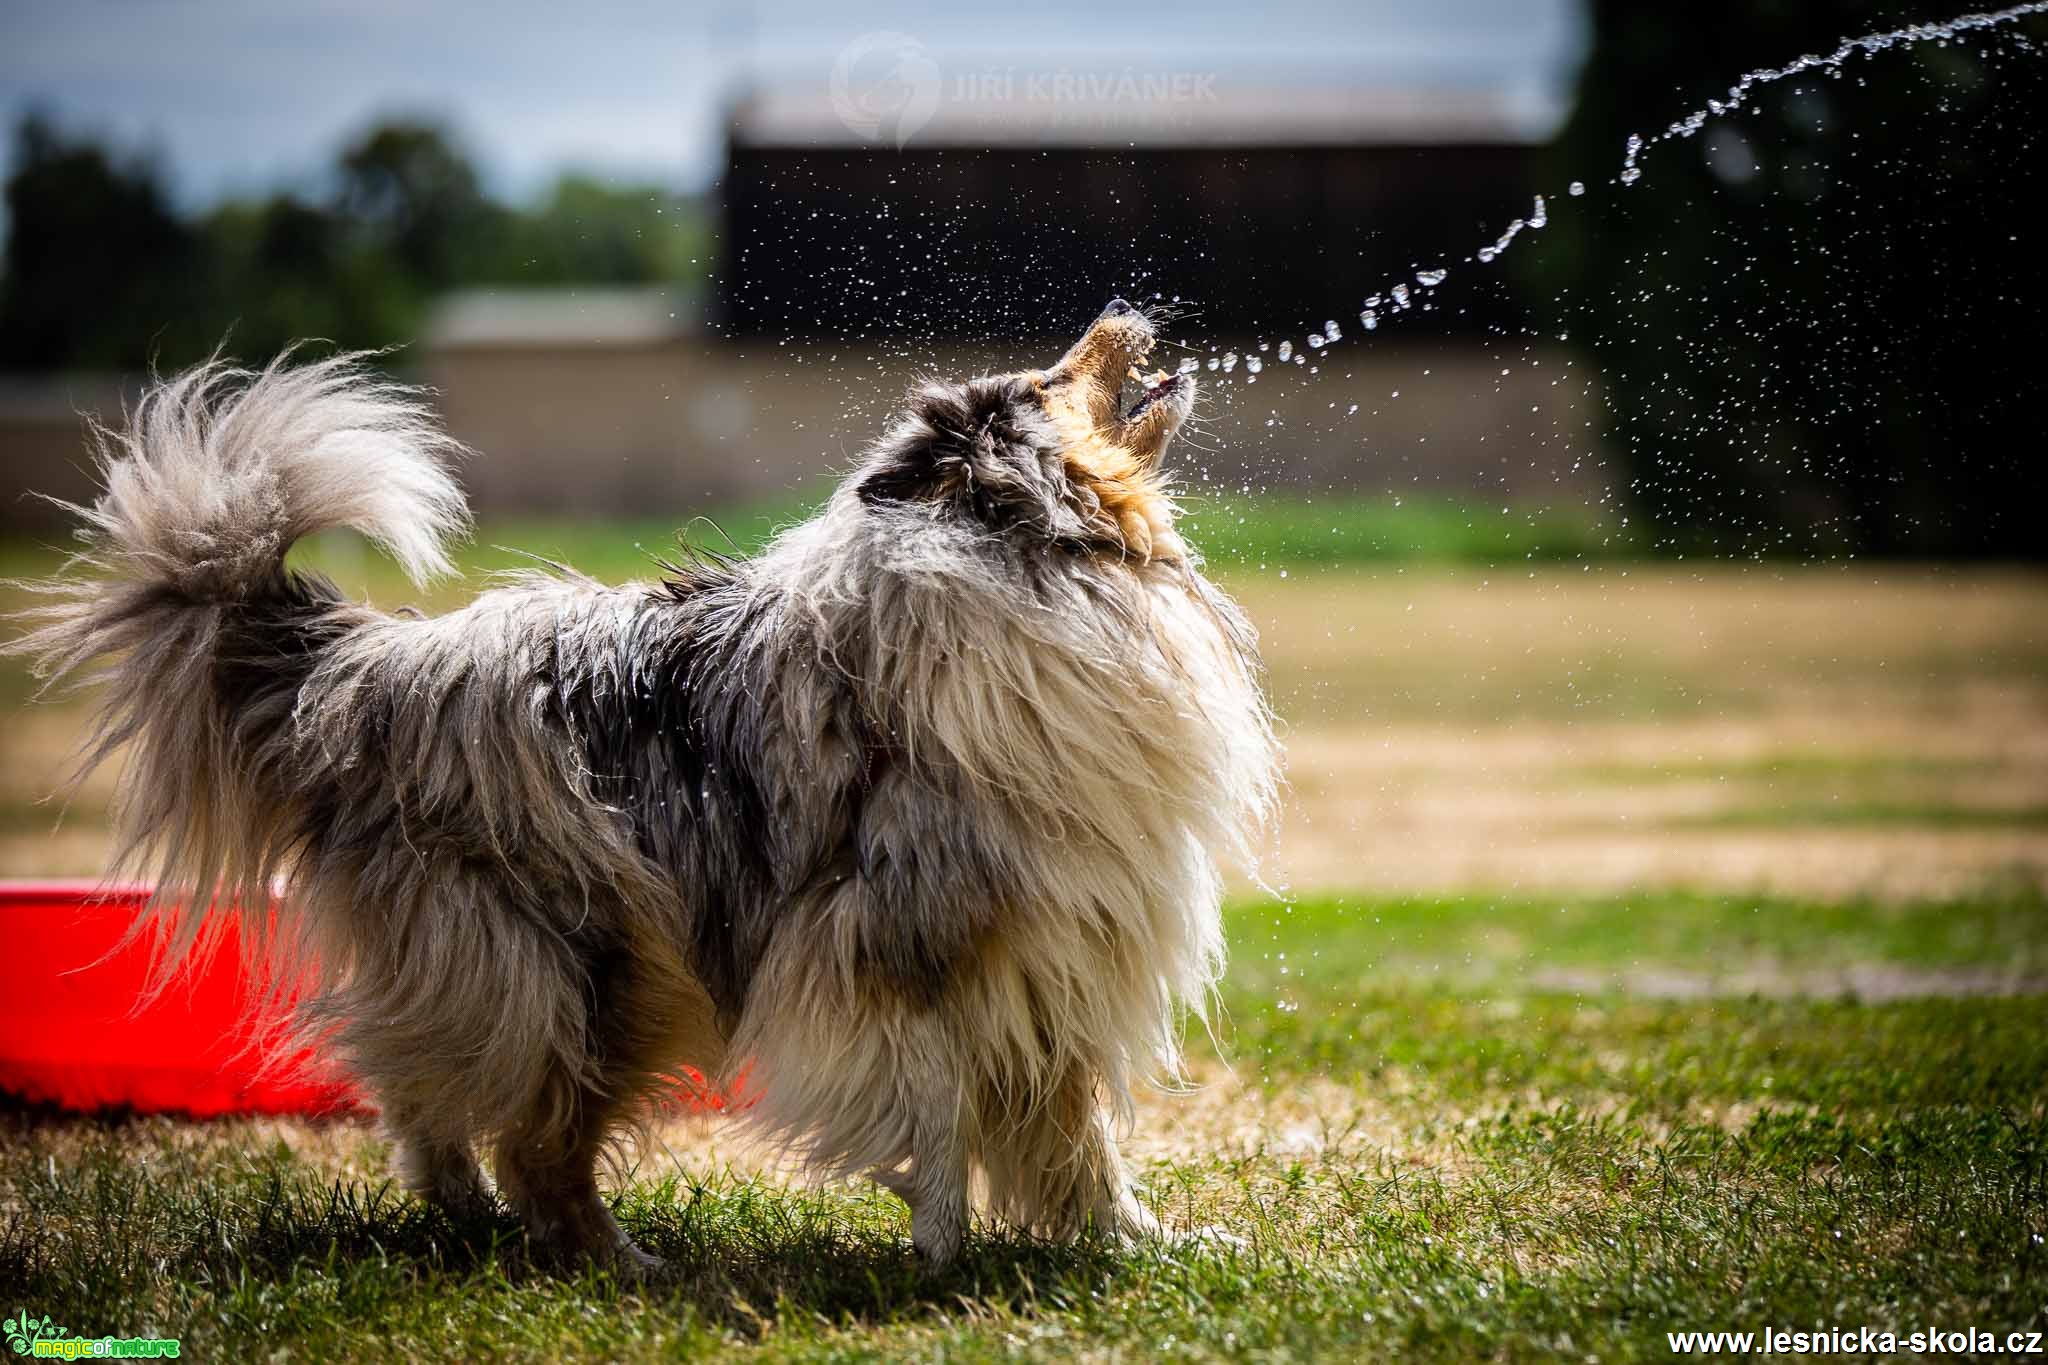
(217, 473)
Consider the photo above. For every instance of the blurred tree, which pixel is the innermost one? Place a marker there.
(414, 196)
(99, 268)
(102, 273)
(285, 270)
(585, 230)
(1810, 316)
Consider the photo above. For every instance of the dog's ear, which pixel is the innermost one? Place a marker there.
(985, 446)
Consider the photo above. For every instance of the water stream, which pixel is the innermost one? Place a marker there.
(1401, 296)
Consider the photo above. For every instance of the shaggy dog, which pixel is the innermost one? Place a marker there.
(914, 817)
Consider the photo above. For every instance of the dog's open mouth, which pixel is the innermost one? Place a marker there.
(1140, 391)
(1107, 383)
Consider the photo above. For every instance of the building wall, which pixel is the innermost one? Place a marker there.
(43, 446)
(694, 423)
(922, 242)
(681, 426)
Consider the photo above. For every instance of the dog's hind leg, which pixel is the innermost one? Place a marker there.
(435, 1164)
(548, 1172)
(641, 1007)
(1055, 1171)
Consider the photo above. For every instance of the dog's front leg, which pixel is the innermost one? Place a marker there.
(1055, 1170)
(935, 1183)
(938, 1210)
(1106, 1202)
(1117, 1214)
(938, 1198)
(893, 1179)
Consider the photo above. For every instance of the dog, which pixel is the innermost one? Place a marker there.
(914, 819)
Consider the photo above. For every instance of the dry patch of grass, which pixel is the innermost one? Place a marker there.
(1829, 731)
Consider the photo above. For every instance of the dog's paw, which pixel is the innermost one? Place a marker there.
(617, 1255)
(937, 1245)
(632, 1265)
(1134, 1234)
(1208, 1237)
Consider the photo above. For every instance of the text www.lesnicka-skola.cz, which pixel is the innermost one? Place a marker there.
(1863, 1341)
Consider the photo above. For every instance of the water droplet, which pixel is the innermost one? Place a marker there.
(1286, 351)
(1254, 364)
(1576, 188)
(1229, 361)
(1430, 279)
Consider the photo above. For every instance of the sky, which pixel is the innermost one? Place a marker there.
(245, 97)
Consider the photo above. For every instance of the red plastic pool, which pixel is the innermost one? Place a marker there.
(75, 1033)
(72, 1034)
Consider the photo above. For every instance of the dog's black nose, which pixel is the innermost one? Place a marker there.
(1117, 308)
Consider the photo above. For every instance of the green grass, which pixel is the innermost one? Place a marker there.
(1494, 1169)
(1244, 538)
(1319, 944)
(1815, 768)
(609, 550)
(1235, 531)
(1784, 814)
(1269, 531)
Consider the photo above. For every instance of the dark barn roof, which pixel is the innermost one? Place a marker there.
(1268, 211)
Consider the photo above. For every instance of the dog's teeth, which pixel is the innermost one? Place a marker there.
(1132, 373)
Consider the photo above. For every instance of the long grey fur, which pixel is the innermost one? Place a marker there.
(908, 827)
